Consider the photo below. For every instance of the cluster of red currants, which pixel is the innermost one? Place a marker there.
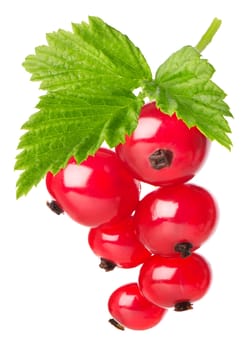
(159, 232)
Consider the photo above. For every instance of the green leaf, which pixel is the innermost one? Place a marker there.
(72, 123)
(183, 85)
(93, 53)
(89, 75)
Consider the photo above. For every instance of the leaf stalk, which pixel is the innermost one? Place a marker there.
(209, 34)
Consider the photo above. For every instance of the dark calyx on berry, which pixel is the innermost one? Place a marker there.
(54, 206)
(161, 158)
(116, 324)
(107, 265)
(183, 306)
(184, 248)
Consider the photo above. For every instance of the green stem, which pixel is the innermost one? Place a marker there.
(209, 34)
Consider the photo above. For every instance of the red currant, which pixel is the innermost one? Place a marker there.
(98, 190)
(163, 150)
(174, 281)
(117, 244)
(132, 310)
(175, 219)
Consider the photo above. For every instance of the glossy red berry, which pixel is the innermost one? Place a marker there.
(97, 191)
(175, 219)
(163, 150)
(132, 310)
(118, 244)
(174, 281)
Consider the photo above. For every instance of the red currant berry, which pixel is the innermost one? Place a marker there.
(118, 244)
(132, 310)
(175, 219)
(174, 281)
(163, 150)
(98, 190)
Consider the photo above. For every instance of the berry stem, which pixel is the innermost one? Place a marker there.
(116, 324)
(209, 34)
(184, 248)
(107, 265)
(183, 306)
(160, 159)
(55, 207)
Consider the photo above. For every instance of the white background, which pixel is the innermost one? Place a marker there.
(52, 293)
